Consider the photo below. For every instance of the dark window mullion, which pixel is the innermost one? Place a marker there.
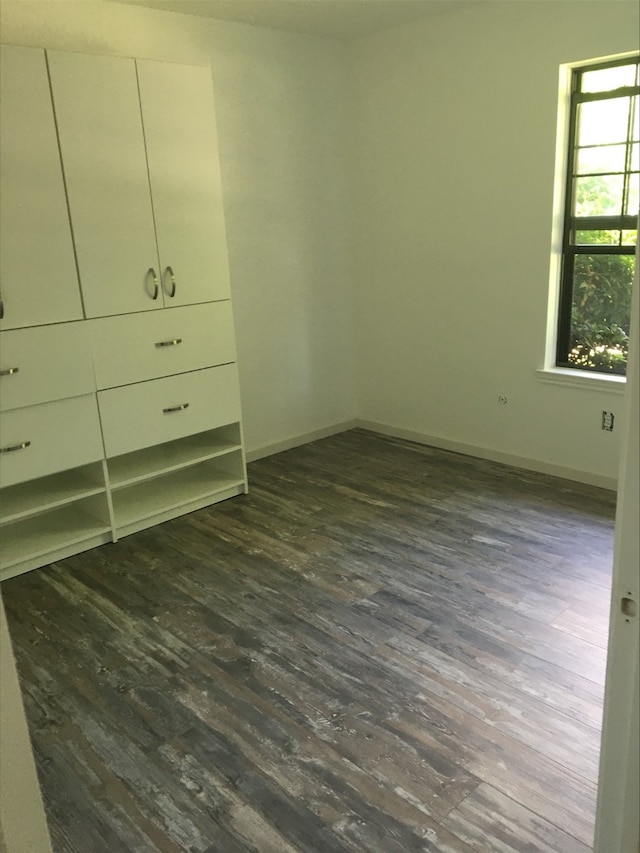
(599, 249)
(564, 310)
(604, 223)
(599, 174)
(622, 92)
(567, 231)
(627, 158)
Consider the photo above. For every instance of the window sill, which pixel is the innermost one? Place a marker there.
(586, 381)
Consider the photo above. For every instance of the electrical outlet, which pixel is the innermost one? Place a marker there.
(607, 420)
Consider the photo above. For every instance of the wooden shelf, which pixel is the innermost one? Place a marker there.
(165, 458)
(46, 493)
(169, 492)
(47, 532)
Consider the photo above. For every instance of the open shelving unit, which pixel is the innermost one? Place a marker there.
(152, 485)
(162, 459)
(46, 493)
(51, 517)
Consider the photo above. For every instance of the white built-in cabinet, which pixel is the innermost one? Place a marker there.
(119, 394)
(38, 278)
(138, 145)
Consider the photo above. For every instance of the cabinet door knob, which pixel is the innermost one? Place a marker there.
(156, 285)
(9, 371)
(13, 447)
(172, 343)
(176, 408)
(171, 292)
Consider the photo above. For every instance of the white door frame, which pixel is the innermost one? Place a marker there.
(618, 809)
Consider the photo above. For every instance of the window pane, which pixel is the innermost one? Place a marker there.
(629, 238)
(608, 78)
(633, 199)
(599, 195)
(600, 122)
(635, 134)
(601, 311)
(609, 158)
(635, 157)
(586, 238)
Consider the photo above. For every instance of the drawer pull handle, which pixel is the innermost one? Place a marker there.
(156, 286)
(13, 447)
(9, 371)
(171, 343)
(1, 308)
(176, 408)
(171, 292)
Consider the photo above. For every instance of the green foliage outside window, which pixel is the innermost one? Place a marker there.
(602, 286)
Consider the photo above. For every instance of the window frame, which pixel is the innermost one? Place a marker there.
(570, 249)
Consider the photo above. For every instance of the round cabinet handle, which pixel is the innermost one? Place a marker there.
(9, 371)
(179, 408)
(172, 343)
(156, 284)
(171, 293)
(13, 447)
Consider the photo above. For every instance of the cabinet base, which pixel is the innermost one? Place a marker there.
(53, 556)
(183, 509)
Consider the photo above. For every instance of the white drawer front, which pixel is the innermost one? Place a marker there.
(56, 436)
(137, 347)
(137, 416)
(44, 363)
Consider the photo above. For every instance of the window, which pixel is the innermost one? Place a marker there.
(601, 217)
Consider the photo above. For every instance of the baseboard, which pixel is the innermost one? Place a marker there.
(537, 465)
(298, 440)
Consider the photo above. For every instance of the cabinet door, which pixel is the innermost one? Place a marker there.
(98, 113)
(38, 276)
(182, 152)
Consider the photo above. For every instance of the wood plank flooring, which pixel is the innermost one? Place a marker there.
(383, 647)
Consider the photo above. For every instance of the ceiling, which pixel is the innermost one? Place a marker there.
(336, 18)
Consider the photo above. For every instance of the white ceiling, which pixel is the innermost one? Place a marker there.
(337, 18)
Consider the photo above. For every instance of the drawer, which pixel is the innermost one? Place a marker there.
(148, 413)
(149, 345)
(58, 435)
(44, 363)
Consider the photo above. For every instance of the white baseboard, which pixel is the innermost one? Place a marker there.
(297, 440)
(537, 465)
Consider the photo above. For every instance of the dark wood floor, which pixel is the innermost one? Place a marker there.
(383, 647)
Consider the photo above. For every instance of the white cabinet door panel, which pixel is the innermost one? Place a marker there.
(182, 151)
(38, 277)
(45, 363)
(40, 440)
(149, 413)
(98, 112)
(147, 346)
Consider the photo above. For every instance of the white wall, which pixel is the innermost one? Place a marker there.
(454, 151)
(282, 114)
